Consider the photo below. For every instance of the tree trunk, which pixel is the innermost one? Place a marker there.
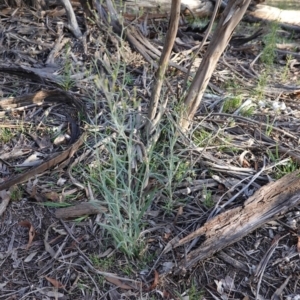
(230, 18)
(153, 116)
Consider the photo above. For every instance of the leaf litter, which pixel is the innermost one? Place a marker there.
(226, 163)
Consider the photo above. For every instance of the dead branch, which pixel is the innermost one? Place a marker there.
(268, 203)
(72, 22)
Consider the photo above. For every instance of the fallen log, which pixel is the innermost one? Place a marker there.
(204, 8)
(199, 8)
(196, 7)
(274, 14)
(268, 203)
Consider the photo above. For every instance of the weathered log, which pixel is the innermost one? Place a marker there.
(138, 7)
(204, 8)
(199, 8)
(268, 203)
(268, 13)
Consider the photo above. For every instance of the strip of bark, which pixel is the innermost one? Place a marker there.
(48, 164)
(79, 210)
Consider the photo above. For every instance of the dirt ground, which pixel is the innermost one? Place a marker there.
(46, 256)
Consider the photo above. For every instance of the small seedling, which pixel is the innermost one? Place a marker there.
(66, 81)
(5, 135)
(248, 112)
(267, 58)
(207, 198)
(194, 293)
(281, 170)
(105, 264)
(231, 104)
(269, 127)
(201, 137)
(15, 193)
(285, 72)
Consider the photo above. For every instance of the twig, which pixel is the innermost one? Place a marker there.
(217, 209)
(72, 22)
(263, 263)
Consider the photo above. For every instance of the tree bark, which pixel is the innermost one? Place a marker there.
(79, 210)
(153, 117)
(268, 203)
(230, 18)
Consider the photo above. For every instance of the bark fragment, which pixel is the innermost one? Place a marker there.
(268, 203)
